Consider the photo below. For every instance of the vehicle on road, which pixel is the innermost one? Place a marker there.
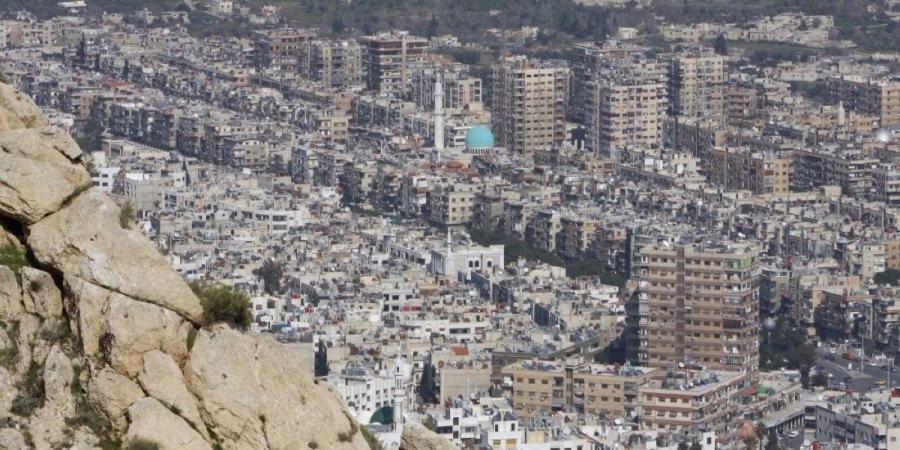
(829, 356)
(848, 380)
(793, 434)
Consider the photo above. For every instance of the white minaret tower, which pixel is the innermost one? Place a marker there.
(438, 116)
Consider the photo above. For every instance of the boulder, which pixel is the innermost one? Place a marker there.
(10, 295)
(8, 392)
(134, 328)
(11, 439)
(253, 393)
(17, 110)
(85, 240)
(86, 305)
(25, 338)
(58, 376)
(112, 394)
(40, 294)
(45, 154)
(59, 403)
(152, 421)
(9, 239)
(417, 437)
(162, 379)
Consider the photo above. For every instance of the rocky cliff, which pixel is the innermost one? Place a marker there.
(101, 343)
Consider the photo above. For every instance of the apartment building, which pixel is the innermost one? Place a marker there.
(694, 401)
(540, 387)
(851, 169)
(334, 63)
(530, 100)
(876, 97)
(462, 91)
(625, 106)
(699, 305)
(281, 47)
(743, 169)
(389, 59)
(451, 204)
(696, 84)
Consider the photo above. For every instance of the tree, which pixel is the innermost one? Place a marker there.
(321, 360)
(271, 273)
(81, 53)
(682, 445)
(337, 25)
(695, 445)
(126, 70)
(720, 45)
(772, 443)
(223, 304)
(427, 386)
(433, 26)
(890, 276)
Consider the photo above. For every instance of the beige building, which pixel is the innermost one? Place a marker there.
(699, 305)
(596, 389)
(389, 58)
(334, 63)
(876, 97)
(530, 102)
(625, 106)
(462, 92)
(742, 169)
(694, 401)
(697, 84)
(451, 204)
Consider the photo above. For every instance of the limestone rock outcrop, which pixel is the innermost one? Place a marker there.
(39, 170)
(417, 437)
(262, 403)
(17, 110)
(85, 240)
(95, 327)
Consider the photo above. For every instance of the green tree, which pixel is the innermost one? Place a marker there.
(772, 443)
(683, 446)
(127, 215)
(695, 445)
(433, 26)
(271, 273)
(321, 359)
(889, 276)
(427, 385)
(720, 45)
(223, 304)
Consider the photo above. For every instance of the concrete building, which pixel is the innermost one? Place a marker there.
(595, 389)
(697, 84)
(334, 63)
(743, 169)
(699, 305)
(530, 101)
(693, 402)
(625, 106)
(876, 97)
(389, 59)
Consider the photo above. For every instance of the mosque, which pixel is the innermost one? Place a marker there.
(479, 138)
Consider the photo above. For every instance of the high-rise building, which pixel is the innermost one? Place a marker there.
(589, 60)
(281, 47)
(530, 100)
(334, 63)
(462, 91)
(625, 105)
(697, 84)
(389, 59)
(698, 305)
(875, 97)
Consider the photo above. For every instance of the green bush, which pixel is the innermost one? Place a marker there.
(31, 392)
(126, 215)
(223, 304)
(313, 445)
(370, 439)
(13, 257)
(141, 444)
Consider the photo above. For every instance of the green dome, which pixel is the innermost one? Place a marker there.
(479, 136)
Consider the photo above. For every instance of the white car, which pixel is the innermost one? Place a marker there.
(793, 434)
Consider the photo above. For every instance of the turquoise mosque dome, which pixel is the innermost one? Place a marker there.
(479, 137)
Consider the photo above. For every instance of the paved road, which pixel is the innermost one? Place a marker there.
(864, 378)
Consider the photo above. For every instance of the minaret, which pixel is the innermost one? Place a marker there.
(438, 116)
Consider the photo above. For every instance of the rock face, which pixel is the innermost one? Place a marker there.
(417, 437)
(85, 240)
(47, 155)
(95, 327)
(262, 404)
